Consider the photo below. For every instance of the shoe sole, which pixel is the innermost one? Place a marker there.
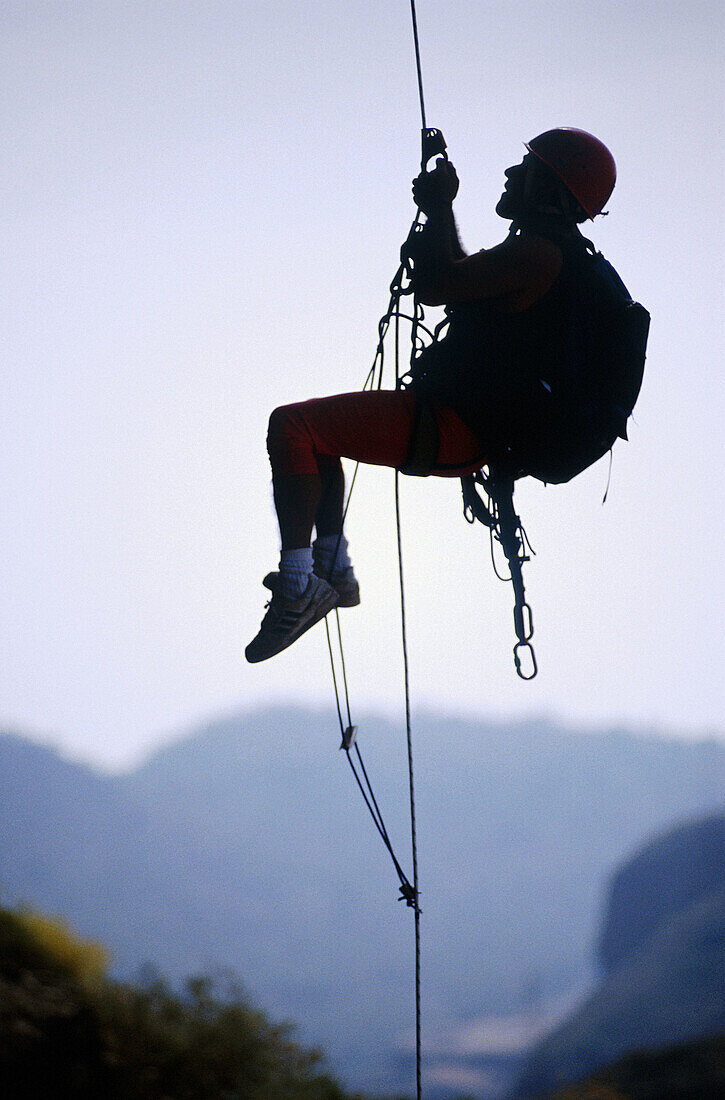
(321, 610)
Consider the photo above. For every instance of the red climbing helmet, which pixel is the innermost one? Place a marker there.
(581, 161)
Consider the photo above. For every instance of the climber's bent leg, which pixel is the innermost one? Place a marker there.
(328, 517)
(296, 500)
(374, 427)
(306, 500)
(305, 443)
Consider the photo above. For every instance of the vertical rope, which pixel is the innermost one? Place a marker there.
(417, 62)
(409, 891)
(408, 727)
(413, 834)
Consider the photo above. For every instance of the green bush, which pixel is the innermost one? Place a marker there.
(66, 1029)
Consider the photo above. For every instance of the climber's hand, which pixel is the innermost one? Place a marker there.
(435, 191)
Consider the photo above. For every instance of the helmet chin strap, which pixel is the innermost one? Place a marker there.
(545, 220)
(554, 210)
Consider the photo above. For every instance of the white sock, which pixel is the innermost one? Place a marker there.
(326, 549)
(295, 567)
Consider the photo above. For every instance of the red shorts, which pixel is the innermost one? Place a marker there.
(372, 426)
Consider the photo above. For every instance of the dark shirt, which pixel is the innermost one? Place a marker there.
(502, 372)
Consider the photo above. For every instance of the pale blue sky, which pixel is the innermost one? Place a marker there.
(202, 209)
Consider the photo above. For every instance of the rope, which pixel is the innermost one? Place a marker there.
(374, 380)
(404, 635)
(413, 836)
(409, 892)
(417, 62)
(406, 889)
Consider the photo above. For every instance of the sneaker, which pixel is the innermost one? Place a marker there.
(345, 584)
(287, 619)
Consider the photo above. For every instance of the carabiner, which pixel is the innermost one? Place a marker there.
(523, 622)
(517, 660)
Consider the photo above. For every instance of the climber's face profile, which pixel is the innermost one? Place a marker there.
(516, 192)
(513, 192)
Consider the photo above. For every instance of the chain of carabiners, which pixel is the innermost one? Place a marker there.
(510, 533)
(506, 528)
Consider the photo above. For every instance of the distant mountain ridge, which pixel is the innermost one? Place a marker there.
(73, 843)
(246, 845)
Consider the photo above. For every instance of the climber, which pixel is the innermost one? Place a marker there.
(477, 394)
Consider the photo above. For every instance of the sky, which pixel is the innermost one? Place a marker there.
(202, 207)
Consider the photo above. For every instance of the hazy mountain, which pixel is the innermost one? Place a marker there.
(664, 946)
(73, 843)
(247, 845)
(664, 878)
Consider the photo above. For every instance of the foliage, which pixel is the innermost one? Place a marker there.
(67, 1029)
(53, 940)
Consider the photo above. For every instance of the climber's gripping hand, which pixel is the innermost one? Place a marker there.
(434, 192)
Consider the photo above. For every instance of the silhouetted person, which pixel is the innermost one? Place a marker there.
(478, 395)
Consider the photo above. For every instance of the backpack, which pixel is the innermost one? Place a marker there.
(595, 384)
